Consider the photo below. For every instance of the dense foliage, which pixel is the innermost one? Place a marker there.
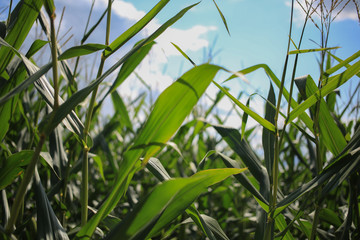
(172, 170)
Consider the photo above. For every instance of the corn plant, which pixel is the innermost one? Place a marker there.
(68, 173)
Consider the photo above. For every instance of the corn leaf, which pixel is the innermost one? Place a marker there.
(268, 138)
(166, 202)
(233, 138)
(21, 21)
(128, 34)
(65, 108)
(303, 116)
(48, 225)
(128, 67)
(222, 17)
(281, 225)
(170, 110)
(329, 131)
(311, 50)
(333, 83)
(265, 123)
(13, 167)
(81, 50)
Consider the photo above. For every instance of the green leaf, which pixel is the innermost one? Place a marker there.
(329, 131)
(268, 138)
(81, 50)
(311, 50)
(169, 111)
(13, 167)
(21, 21)
(35, 47)
(281, 225)
(303, 116)
(129, 66)
(243, 179)
(65, 108)
(184, 54)
(244, 119)
(222, 17)
(166, 202)
(333, 83)
(128, 34)
(120, 110)
(48, 226)
(330, 216)
(265, 123)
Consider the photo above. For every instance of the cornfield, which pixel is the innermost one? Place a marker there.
(172, 168)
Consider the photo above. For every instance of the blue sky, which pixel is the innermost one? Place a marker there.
(258, 34)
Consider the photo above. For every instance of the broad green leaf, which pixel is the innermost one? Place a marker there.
(166, 202)
(333, 83)
(81, 50)
(330, 216)
(281, 225)
(35, 47)
(128, 34)
(265, 123)
(48, 226)
(311, 50)
(21, 21)
(329, 131)
(268, 138)
(169, 111)
(13, 167)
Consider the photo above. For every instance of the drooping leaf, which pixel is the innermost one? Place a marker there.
(167, 201)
